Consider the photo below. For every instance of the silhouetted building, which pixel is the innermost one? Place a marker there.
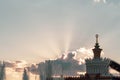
(98, 67)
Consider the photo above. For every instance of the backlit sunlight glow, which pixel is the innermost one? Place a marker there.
(56, 43)
(67, 39)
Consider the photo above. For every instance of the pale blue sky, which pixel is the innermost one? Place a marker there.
(37, 29)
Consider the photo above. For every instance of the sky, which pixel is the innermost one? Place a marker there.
(35, 30)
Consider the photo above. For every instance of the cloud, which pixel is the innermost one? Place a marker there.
(71, 63)
(84, 53)
(16, 65)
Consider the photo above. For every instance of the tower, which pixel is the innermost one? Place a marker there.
(97, 50)
(97, 65)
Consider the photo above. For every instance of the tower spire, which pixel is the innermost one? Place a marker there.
(97, 50)
(96, 38)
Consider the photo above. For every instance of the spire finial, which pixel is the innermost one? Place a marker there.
(96, 38)
(97, 50)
